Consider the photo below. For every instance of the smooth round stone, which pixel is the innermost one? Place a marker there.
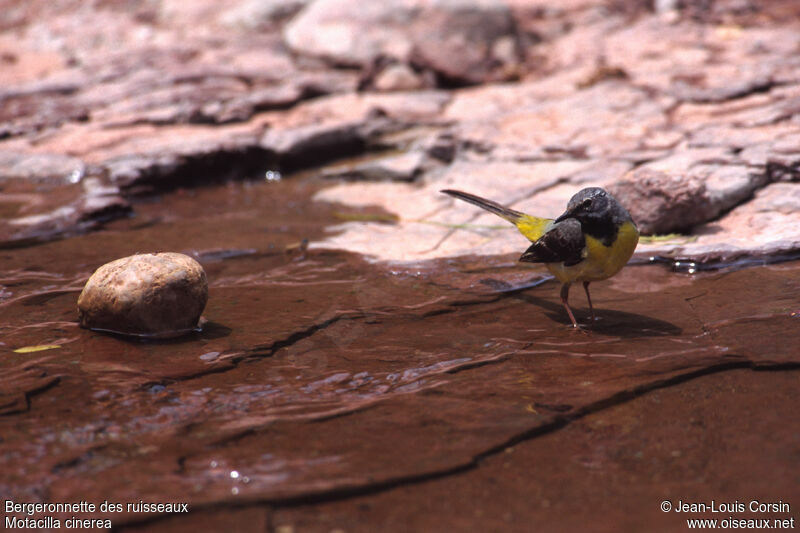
(160, 295)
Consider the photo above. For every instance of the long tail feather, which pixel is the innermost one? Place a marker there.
(531, 227)
(493, 207)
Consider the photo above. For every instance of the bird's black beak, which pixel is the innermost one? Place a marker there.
(564, 216)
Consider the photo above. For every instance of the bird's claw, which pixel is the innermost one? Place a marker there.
(586, 330)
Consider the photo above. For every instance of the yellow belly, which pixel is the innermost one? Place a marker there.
(600, 261)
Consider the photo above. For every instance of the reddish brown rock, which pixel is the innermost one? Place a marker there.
(660, 202)
(770, 219)
(465, 41)
(403, 167)
(396, 76)
(160, 95)
(160, 294)
(46, 197)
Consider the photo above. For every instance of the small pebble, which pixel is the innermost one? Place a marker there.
(159, 295)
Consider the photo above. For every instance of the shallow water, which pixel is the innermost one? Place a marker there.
(317, 373)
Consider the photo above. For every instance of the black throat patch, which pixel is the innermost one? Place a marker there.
(605, 230)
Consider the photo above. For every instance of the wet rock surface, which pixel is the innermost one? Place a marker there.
(319, 376)
(637, 455)
(152, 295)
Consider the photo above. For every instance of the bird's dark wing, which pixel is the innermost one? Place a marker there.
(563, 243)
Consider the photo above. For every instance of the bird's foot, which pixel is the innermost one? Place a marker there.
(585, 329)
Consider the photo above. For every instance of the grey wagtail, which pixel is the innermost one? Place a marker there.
(591, 241)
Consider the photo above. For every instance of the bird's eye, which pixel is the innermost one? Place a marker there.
(586, 204)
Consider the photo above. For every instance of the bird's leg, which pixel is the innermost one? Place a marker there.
(564, 298)
(589, 297)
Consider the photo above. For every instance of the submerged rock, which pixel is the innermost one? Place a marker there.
(159, 294)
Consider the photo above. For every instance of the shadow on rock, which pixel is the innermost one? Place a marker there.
(214, 330)
(609, 322)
